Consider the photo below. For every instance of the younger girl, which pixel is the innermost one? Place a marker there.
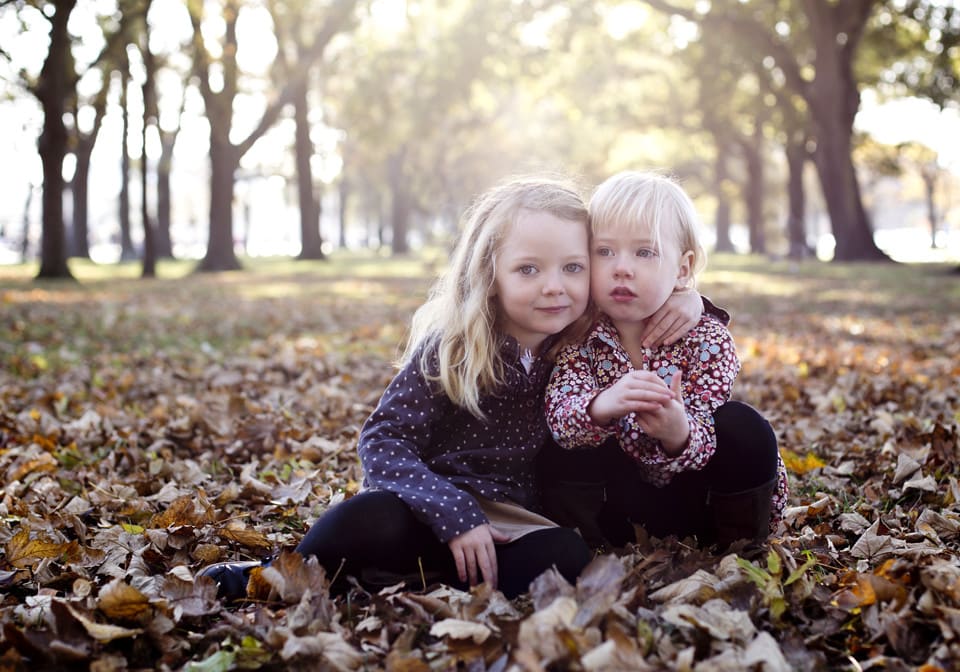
(448, 453)
(675, 456)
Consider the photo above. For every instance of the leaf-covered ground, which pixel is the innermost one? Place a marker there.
(150, 428)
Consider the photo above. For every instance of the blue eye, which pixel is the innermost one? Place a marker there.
(646, 253)
(527, 269)
(604, 252)
(574, 267)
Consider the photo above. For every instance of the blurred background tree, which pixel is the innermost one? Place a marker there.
(394, 113)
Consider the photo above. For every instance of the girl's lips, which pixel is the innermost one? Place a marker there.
(554, 309)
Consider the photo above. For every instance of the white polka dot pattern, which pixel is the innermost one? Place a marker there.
(432, 454)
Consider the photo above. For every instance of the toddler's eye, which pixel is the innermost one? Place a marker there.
(573, 267)
(604, 252)
(646, 253)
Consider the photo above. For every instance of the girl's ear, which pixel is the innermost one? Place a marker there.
(685, 270)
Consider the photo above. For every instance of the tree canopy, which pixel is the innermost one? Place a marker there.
(432, 101)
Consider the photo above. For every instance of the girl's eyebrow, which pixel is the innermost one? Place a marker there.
(633, 241)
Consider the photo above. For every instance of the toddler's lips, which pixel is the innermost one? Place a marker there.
(622, 293)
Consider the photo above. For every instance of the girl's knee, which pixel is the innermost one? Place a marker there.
(566, 550)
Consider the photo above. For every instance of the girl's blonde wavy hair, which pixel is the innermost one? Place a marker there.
(458, 324)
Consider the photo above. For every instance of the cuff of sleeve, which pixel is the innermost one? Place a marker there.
(459, 522)
(590, 433)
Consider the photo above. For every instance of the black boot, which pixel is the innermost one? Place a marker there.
(231, 578)
(740, 515)
(577, 504)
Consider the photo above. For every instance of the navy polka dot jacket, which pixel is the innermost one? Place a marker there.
(434, 454)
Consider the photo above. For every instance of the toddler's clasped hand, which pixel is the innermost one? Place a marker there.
(669, 422)
(635, 392)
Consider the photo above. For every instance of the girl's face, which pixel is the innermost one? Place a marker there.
(633, 274)
(542, 277)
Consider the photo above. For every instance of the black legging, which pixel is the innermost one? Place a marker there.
(745, 458)
(375, 530)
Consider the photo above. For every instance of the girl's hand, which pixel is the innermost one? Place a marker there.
(678, 315)
(636, 392)
(475, 550)
(668, 423)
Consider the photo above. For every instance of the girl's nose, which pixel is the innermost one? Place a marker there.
(553, 284)
(622, 270)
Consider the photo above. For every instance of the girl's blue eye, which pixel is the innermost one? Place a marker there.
(646, 253)
(604, 252)
(574, 267)
(528, 269)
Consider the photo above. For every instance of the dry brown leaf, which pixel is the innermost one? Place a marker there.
(454, 628)
(181, 511)
(102, 632)
(245, 537)
(120, 601)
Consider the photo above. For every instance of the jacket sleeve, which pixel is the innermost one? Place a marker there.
(713, 310)
(394, 449)
(710, 365)
(571, 390)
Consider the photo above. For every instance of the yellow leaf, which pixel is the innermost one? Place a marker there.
(46, 462)
(800, 465)
(132, 529)
(22, 551)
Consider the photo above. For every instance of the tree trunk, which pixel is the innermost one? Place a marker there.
(720, 188)
(929, 177)
(224, 162)
(126, 240)
(796, 152)
(149, 247)
(168, 142)
(51, 91)
(753, 192)
(151, 115)
(25, 240)
(834, 99)
(225, 156)
(841, 192)
(80, 189)
(164, 167)
(344, 192)
(85, 142)
(311, 245)
(399, 205)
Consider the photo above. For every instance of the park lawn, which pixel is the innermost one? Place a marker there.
(149, 427)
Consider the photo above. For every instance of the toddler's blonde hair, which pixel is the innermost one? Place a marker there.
(653, 202)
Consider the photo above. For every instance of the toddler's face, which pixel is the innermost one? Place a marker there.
(633, 273)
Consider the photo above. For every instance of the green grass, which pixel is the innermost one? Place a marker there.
(755, 285)
(363, 264)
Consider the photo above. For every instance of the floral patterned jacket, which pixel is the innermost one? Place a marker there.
(708, 361)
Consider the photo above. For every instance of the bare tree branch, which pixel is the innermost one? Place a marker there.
(338, 18)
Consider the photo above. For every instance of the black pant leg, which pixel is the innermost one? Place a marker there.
(745, 457)
(374, 529)
(523, 560)
(747, 449)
